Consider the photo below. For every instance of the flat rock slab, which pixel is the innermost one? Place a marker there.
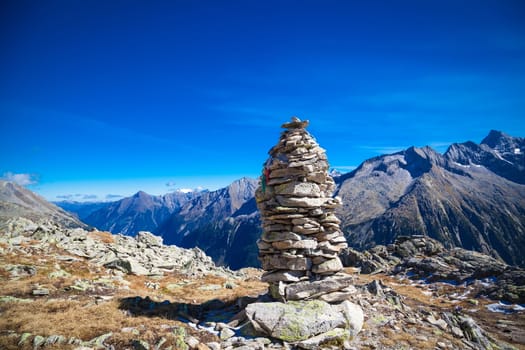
(307, 289)
(336, 336)
(296, 320)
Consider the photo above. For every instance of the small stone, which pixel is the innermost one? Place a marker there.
(332, 265)
(40, 291)
(304, 202)
(55, 339)
(306, 289)
(38, 341)
(229, 285)
(99, 341)
(140, 345)
(226, 333)
(287, 276)
(280, 236)
(354, 316)
(298, 189)
(59, 274)
(272, 262)
(159, 344)
(214, 345)
(336, 335)
(192, 342)
(24, 338)
(441, 345)
(437, 322)
(336, 297)
(149, 239)
(302, 244)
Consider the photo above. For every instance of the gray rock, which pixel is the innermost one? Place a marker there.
(226, 333)
(297, 263)
(298, 189)
(99, 341)
(289, 244)
(55, 339)
(214, 345)
(302, 202)
(280, 236)
(16, 271)
(149, 239)
(336, 297)
(354, 316)
(41, 291)
(192, 342)
(295, 320)
(283, 275)
(38, 341)
(128, 265)
(330, 266)
(161, 342)
(336, 335)
(140, 345)
(306, 289)
(24, 338)
(437, 322)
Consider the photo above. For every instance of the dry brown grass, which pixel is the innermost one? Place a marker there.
(102, 236)
(84, 320)
(182, 289)
(80, 319)
(73, 313)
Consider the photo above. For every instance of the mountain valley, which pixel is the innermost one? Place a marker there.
(472, 196)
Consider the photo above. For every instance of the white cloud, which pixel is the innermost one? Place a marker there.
(21, 179)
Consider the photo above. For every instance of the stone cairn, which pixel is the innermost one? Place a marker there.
(301, 240)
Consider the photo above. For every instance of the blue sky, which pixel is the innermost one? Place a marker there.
(110, 97)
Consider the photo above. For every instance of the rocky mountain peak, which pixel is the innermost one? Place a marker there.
(500, 141)
(141, 194)
(498, 152)
(420, 160)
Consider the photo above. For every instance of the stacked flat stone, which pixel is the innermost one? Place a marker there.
(301, 237)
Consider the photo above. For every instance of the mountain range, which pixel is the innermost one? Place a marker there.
(472, 196)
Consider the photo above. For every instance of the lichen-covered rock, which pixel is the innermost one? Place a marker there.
(294, 321)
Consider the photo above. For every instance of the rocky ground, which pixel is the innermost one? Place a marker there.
(72, 289)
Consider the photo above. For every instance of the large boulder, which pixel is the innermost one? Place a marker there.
(149, 239)
(297, 321)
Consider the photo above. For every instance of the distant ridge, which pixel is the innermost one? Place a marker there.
(140, 212)
(224, 223)
(17, 201)
(472, 196)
